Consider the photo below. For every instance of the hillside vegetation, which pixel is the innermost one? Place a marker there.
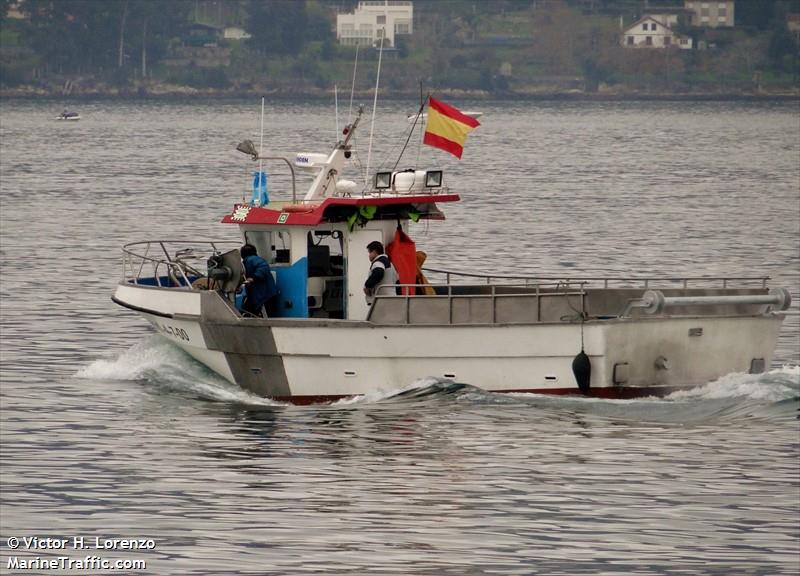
(495, 48)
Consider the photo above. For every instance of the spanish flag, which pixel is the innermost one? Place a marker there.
(447, 127)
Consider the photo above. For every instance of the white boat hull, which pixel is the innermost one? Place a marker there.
(309, 360)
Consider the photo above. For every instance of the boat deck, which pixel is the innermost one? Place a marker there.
(454, 298)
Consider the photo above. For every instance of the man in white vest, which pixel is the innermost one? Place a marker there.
(381, 272)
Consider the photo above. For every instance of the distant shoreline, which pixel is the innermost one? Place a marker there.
(577, 96)
(93, 90)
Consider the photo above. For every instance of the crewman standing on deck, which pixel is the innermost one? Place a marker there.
(381, 271)
(259, 285)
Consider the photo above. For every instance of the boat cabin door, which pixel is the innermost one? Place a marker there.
(358, 270)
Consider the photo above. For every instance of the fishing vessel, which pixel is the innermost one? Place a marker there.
(612, 337)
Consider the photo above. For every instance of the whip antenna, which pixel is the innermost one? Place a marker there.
(261, 142)
(336, 108)
(374, 106)
(353, 86)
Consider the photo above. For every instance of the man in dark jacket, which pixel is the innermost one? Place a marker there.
(259, 285)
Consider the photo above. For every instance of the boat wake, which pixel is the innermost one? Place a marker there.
(773, 386)
(419, 390)
(157, 363)
(774, 394)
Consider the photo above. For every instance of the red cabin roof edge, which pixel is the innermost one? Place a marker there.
(312, 214)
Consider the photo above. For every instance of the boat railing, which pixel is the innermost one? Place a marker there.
(435, 303)
(639, 282)
(169, 263)
(279, 198)
(393, 192)
(513, 299)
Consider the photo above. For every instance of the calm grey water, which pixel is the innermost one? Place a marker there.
(107, 431)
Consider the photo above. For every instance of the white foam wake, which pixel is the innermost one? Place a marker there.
(144, 358)
(380, 394)
(773, 386)
(156, 360)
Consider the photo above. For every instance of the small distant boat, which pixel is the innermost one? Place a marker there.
(68, 116)
(423, 117)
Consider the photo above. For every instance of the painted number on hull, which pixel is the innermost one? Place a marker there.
(178, 333)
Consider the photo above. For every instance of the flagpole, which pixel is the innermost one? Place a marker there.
(422, 100)
(411, 133)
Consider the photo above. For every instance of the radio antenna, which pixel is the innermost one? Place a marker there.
(261, 143)
(353, 87)
(374, 106)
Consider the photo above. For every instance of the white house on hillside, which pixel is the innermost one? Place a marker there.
(793, 25)
(235, 33)
(652, 32)
(668, 15)
(715, 14)
(374, 18)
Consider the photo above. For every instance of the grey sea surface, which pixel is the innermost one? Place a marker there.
(108, 432)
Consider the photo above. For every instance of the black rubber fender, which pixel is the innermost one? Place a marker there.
(582, 368)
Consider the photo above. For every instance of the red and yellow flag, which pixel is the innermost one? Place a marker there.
(447, 127)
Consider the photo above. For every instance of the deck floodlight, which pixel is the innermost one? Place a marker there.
(247, 147)
(433, 179)
(383, 180)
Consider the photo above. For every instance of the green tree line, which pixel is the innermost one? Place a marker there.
(97, 36)
(457, 43)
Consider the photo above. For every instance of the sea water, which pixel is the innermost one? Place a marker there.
(112, 439)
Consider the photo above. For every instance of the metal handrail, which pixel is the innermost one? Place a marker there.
(392, 193)
(644, 280)
(135, 260)
(389, 292)
(291, 168)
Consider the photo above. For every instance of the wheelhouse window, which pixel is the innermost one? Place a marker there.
(274, 247)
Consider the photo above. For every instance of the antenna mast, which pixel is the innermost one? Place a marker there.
(374, 106)
(261, 143)
(353, 87)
